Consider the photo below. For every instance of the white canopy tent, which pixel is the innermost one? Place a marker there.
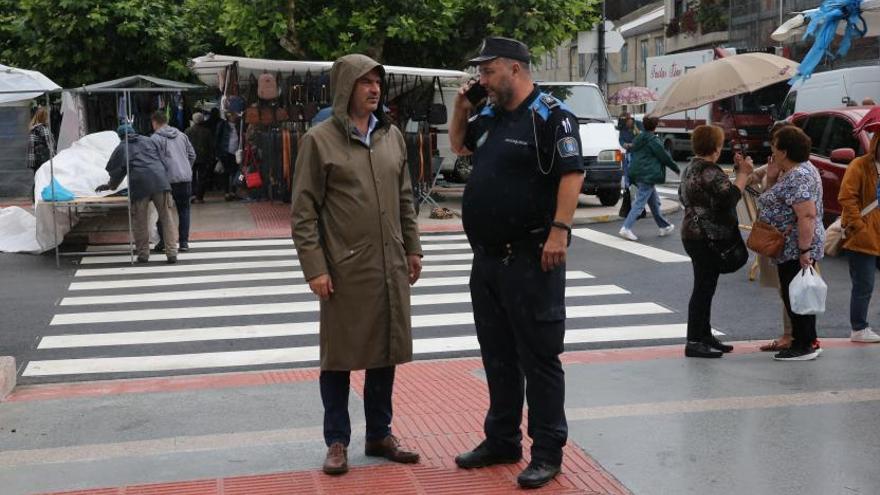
(208, 67)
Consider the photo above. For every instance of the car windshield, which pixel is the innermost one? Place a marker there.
(753, 102)
(585, 102)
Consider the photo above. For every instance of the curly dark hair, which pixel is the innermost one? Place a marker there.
(794, 142)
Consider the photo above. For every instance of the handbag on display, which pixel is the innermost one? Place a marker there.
(766, 239)
(253, 179)
(834, 234)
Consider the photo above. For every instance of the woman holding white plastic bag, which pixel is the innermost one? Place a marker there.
(792, 204)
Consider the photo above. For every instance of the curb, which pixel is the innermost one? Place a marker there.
(7, 376)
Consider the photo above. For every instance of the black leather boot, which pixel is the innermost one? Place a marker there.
(483, 456)
(537, 474)
(713, 342)
(701, 350)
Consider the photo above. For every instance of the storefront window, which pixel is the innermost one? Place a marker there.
(624, 58)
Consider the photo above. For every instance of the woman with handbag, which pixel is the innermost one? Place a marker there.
(792, 206)
(710, 234)
(858, 192)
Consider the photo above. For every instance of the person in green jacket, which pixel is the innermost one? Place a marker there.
(646, 169)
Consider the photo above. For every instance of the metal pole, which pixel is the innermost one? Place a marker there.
(600, 52)
(52, 186)
(129, 121)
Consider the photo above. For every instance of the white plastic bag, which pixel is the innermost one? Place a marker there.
(807, 293)
(218, 167)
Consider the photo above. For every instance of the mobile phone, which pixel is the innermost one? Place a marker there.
(476, 93)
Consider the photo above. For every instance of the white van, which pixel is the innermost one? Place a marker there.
(833, 89)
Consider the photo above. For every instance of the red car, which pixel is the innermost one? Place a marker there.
(834, 146)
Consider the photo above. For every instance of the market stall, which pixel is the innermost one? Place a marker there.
(281, 99)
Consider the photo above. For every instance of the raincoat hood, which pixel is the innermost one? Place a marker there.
(345, 71)
(168, 132)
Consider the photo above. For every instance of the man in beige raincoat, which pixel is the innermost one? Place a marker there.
(356, 234)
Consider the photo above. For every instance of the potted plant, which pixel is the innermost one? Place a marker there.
(673, 28)
(689, 21)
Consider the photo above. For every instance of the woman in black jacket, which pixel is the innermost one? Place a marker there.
(710, 202)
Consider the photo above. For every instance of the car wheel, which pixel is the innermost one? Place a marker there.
(608, 197)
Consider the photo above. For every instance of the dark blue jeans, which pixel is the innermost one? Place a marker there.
(378, 386)
(861, 272)
(181, 192)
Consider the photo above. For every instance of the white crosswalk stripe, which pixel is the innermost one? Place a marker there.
(635, 248)
(147, 319)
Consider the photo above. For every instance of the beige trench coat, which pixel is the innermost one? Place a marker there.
(353, 218)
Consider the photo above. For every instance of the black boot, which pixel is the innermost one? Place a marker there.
(701, 350)
(483, 456)
(537, 474)
(713, 342)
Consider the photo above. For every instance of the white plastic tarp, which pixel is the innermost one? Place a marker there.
(80, 168)
(20, 84)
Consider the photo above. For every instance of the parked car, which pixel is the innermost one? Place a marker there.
(834, 146)
(832, 89)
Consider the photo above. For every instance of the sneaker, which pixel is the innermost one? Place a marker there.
(159, 248)
(143, 258)
(183, 249)
(172, 260)
(817, 347)
(797, 355)
(665, 231)
(627, 234)
(865, 335)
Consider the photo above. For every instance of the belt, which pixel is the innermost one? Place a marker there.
(508, 249)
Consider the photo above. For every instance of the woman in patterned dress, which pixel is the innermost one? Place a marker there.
(792, 203)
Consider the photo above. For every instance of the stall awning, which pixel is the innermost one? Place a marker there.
(20, 84)
(645, 23)
(136, 82)
(208, 67)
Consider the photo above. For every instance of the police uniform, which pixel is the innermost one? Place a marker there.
(508, 206)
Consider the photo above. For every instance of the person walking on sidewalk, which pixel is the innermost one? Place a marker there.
(179, 156)
(792, 204)
(148, 182)
(228, 141)
(202, 139)
(647, 168)
(709, 200)
(355, 230)
(517, 211)
(858, 190)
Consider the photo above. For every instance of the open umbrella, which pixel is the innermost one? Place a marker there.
(633, 95)
(723, 78)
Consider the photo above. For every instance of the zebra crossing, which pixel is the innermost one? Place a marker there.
(243, 304)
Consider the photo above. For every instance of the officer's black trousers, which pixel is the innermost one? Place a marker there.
(519, 311)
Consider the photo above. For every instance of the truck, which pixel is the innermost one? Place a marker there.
(745, 119)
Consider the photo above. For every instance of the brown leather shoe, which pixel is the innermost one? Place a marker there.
(336, 461)
(389, 448)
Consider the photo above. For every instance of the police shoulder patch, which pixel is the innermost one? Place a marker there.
(567, 147)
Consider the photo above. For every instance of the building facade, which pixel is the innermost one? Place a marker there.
(643, 33)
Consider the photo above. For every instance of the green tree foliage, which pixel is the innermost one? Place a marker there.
(84, 41)
(436, 33)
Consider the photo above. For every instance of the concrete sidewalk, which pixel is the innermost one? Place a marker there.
(641, 420)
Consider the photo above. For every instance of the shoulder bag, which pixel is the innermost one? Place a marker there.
(834, 234)
(766, 239)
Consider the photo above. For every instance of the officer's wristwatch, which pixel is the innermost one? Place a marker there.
(564, 226)
(561, 225)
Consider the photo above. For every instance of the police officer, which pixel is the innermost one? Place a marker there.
(517, 212)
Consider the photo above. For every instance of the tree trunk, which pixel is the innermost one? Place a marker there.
(289, 41)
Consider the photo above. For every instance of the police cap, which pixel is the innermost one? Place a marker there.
(497, 46)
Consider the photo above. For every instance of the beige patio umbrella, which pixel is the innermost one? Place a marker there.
(723, 78)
